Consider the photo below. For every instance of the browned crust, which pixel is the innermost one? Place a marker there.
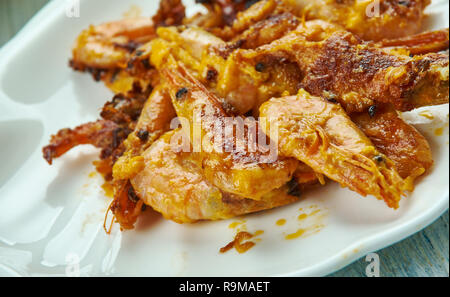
(345, 65)
(399, 141)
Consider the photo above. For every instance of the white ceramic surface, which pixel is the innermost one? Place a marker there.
(51, 217)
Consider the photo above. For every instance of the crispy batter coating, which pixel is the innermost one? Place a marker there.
(357, 74)
(227, 159)
(214, 63)
(125, 110)
(321, 135)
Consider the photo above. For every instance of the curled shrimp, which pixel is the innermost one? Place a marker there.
(172, 183)
(321, 135)
(109, 45)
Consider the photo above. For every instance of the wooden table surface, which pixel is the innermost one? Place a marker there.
(424, 254)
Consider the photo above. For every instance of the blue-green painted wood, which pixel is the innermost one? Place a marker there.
(423, 254)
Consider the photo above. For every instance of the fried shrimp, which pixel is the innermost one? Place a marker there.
(103, 134)
(213, 61)
(109, 50)
(321, 135)
(318, 56)
(400, 142)
(335, 64)
(238, 109)
(173, 184)
(109, 46)
(228, 159)
(153, 122)
(370, 20)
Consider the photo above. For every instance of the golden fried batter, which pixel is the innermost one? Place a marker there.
(230, 165)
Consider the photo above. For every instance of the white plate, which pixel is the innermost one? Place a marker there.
(51, 217)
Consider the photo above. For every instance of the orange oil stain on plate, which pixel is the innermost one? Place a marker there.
(426, 114)
(439, 131)
(258, 233)
(310, 221)
(302, 216)
(241, 224)
(281, 222)
(295, 235)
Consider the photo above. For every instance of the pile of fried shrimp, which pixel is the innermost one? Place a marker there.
(319, 85)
